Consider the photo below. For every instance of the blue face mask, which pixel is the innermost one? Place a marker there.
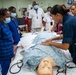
(7, 20)
(35, 6)
(13, 14)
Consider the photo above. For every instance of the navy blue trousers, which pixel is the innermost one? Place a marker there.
(5, 66)
(72, 50)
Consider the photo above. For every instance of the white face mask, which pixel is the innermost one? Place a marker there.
(35, 6)
(13, 14)
(7, 20)
(48, 12)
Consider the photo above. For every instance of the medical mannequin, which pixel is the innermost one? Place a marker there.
(45, 66)
(40, 58)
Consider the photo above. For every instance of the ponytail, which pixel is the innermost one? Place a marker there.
(11, 8)
(59, 9)
(66, 11)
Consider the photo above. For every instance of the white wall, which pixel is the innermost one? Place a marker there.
(24, 3)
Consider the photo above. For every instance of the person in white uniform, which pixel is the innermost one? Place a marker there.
(48, 21)
(35, 18)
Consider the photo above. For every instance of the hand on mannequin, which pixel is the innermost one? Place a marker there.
(47, 42)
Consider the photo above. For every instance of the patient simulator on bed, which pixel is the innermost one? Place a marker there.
(43, 58)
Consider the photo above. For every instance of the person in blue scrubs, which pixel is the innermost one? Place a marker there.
(0, 69)
(69, 30)
(13, 25)
(6, 45)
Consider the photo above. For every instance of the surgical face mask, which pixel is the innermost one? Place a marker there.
(48, 12)
(7, 20)
(13, 14)
(35, 6)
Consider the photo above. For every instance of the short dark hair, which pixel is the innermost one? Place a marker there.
(59, 9)
(73, 5)
(34, 3)
(48, 7)
(11, 8)
(3, 11)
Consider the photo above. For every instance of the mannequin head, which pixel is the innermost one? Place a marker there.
(45, 67)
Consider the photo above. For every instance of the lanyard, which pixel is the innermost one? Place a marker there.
(36, 11)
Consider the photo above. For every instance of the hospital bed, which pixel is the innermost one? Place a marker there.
(19, 56)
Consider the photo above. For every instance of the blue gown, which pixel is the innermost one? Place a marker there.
(37, 52)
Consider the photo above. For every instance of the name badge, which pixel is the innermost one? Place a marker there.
(51, 23)
(37, 17)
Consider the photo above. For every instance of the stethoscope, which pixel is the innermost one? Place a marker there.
(19, 65)
(67, 65)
